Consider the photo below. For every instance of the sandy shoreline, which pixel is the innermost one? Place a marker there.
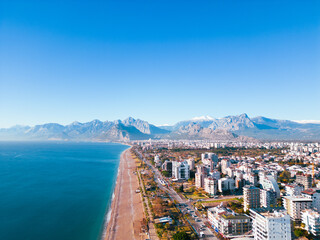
(126, 207)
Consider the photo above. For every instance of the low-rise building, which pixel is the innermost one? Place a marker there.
(227, 223)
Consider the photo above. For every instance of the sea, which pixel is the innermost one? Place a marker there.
(56, 190)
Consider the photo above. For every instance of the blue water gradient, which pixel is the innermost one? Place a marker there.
(56, 190)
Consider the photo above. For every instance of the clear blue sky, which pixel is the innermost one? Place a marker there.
(161, 61)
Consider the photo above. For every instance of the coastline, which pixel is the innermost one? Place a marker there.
(110, 205)
(125, 213)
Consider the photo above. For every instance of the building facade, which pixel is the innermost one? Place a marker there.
(304, 179)
(211, 186)
(311, 221)
(180, 170)
(294, 189)
(226, 184)
(268, 198)
(227, 223)
(295, 205)
(251, 197)
(270, 224)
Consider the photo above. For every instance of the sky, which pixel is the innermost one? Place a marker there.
(160, 61)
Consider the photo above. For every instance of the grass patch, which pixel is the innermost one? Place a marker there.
(222, 200)
(194, 196)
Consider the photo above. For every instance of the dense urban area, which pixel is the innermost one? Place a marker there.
(215, 190)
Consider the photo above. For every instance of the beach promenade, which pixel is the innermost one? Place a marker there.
(127, 207)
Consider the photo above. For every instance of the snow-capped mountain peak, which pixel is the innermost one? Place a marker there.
(202, 118)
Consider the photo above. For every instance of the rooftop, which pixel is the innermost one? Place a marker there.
(310, 191)
(298, 198)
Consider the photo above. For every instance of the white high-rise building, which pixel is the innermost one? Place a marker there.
(314, 195)
(215, 174)
(211, 186)
(251, 197)
(157, 161)
(210, 159)
(269, 225)
(225, 163)
(268, 198)
(191, 163)
(311, 220)
(295, 205)
(199, 176)
(212, 156)
(226, 184)
(268, 182)
(294, 189)
(180, 170)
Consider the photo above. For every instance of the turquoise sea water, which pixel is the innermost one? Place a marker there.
(56, 190)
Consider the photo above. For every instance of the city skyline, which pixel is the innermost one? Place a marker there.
(160, 62)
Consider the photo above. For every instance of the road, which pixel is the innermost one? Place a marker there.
(185, 206)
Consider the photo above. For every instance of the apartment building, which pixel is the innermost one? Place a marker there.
(314, 195)
(304, 179)
(199, 177)
(268, 198)
(295, 205)
(180, 170)
(294, 189)
(270, 224)
(226, 184)
(251, 197)
(311, 221)
(211, 186)
(227, 223)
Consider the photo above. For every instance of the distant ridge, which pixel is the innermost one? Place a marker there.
(230, 128)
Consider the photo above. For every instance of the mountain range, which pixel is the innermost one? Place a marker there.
(230, 128)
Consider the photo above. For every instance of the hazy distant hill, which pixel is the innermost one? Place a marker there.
(230, 128)
(258, 127)
(128, 129)
(196, 131)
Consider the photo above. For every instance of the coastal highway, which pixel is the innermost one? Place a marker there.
(198, 223)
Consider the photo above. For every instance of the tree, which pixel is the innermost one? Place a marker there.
(284, 176)
(181, 188)
(298, 232)
(166, 174)
(181, 236)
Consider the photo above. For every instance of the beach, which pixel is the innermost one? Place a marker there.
(127, 207)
